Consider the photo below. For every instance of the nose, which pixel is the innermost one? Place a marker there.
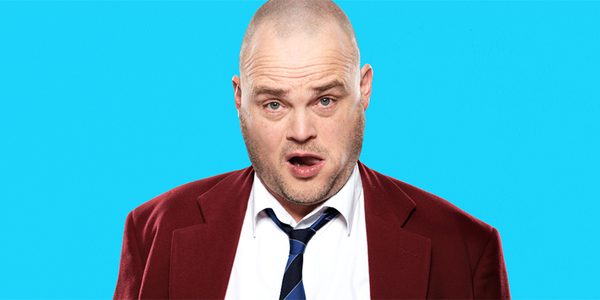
(301, 127)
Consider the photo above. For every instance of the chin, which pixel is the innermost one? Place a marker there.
(307, 191)
(304, 199)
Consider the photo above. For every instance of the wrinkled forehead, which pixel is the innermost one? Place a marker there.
(300, 58)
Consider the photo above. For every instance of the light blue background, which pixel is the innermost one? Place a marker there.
(104, 105)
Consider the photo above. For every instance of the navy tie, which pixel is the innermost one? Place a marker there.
(292, 286)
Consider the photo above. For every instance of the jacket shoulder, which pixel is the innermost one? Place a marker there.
(441, 212)
(459, 241)
(148, 234)
(176, 207)
(451, 230)
(436, 205)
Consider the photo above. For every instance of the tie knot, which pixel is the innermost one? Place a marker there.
(300, 237)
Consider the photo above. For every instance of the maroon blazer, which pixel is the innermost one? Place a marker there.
(182, 243)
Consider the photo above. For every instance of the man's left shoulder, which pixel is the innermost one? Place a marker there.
(457, 239)
(436, 217)
(440, 211)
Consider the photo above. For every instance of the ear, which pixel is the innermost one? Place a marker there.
(366, 81)
(237, 92)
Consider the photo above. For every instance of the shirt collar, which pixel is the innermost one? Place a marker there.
(344, 201)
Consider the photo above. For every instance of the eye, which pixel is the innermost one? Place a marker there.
(325, 101)
(274, 105)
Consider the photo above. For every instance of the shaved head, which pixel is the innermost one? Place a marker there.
(285, 18)
(301, 98)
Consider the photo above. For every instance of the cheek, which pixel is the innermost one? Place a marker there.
(337, 134)
(268, 136)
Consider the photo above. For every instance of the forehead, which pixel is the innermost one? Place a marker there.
(301, 58)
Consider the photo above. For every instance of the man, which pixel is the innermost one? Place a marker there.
(307, 220)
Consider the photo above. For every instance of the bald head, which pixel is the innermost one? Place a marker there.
(302, 93)
(285, 18)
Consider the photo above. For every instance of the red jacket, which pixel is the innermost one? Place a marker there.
(182, 243)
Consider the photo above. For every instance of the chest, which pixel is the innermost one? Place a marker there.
(334, 262)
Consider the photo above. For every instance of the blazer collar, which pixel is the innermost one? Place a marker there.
(202, 255)
(399, 260)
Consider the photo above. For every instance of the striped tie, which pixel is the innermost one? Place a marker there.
(292, 286)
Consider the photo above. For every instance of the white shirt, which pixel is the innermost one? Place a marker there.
(335, 259)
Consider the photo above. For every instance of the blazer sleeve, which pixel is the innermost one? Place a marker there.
(132, 266)
(490, 280)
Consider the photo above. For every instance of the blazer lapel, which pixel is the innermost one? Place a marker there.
(399, 260)
(202, 255)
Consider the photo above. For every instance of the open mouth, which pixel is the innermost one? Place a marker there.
(305, 165)
(304, 161)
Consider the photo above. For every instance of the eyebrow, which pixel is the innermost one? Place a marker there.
(280, 93)
(330, 85)
(265, 90)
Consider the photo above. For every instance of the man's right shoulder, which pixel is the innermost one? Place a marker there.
(178, 205)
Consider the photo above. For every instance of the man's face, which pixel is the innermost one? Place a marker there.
(301, 104)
